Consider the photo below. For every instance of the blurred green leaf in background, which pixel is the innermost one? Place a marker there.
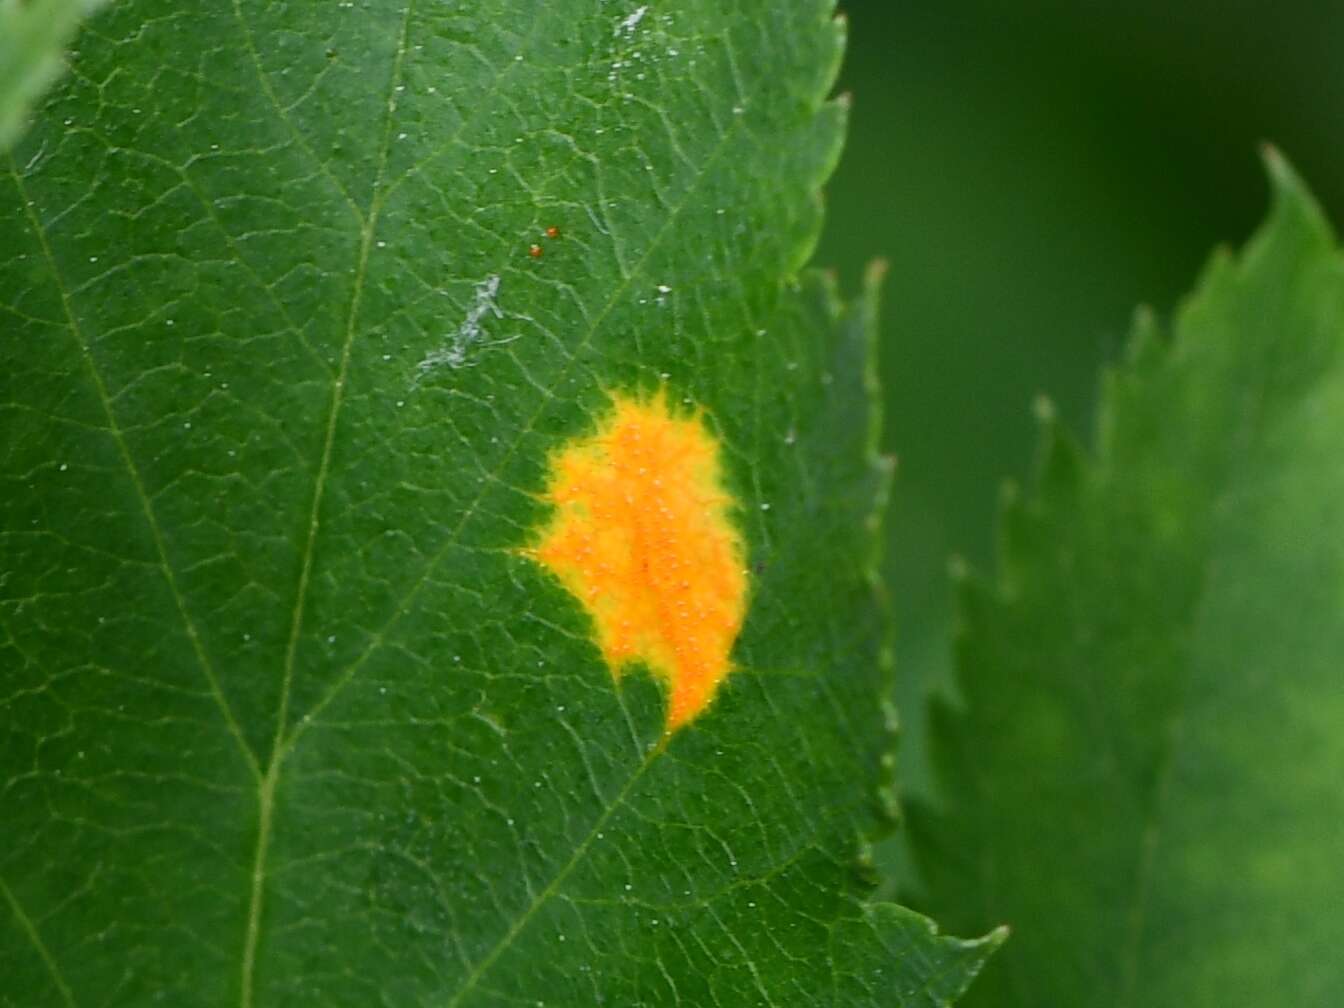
(1033, 171)
(1143, 777)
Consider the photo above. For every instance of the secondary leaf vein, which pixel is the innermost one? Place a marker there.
(29, 928)
(133, 472)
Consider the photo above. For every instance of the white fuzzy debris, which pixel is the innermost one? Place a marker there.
(632, 21)
(471, 333)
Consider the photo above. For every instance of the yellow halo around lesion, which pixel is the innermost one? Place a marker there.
(643, 535)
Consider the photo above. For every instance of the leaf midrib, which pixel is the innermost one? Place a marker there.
(266, 791)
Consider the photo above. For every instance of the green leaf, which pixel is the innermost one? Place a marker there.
(33, 34)
(292, 714)
(1144, 780)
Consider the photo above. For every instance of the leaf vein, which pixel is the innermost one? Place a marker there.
(283, 113)
(541, 899)
(133, 472)
(29, 928)
(266, 792)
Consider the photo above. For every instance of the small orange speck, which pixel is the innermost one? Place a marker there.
(552, 232)
(642, 535)
(534, 251)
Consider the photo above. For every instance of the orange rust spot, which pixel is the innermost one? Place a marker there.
(642, 537)
(534, 251)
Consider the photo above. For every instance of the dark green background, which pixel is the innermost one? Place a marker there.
(1033, 175)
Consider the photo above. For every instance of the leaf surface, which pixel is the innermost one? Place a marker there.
(301, 304)
(1144, 780)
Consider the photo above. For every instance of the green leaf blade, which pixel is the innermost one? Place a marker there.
(295, 718)
(1141, 782)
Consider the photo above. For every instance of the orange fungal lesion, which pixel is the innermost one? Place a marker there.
(642, 534)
